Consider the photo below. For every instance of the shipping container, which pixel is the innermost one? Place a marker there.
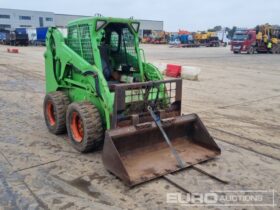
(41, 35)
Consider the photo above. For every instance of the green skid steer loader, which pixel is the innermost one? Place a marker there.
(103, 92)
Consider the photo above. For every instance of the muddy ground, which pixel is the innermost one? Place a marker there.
(237, 97)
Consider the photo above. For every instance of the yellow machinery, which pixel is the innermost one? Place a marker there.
(268, 33)
(209, 39)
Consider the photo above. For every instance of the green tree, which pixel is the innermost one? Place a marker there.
(231, 32)
(217, 28)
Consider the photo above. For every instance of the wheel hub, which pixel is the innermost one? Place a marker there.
(77, 128)
(50, 113)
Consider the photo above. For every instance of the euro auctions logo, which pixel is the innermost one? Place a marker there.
(234, 198)
(195, 198)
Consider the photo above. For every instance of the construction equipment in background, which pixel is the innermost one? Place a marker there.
(268, 38)
(208, 39)
(146, 39)
(187, 39)
(263, 39)
(160, 37)
(155, 37)
(196, 39)
(182, 39)
(99, 86)
(174, 40)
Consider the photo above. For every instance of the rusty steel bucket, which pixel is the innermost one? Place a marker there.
(139, 153)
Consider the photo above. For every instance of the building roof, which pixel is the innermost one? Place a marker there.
(74, 14)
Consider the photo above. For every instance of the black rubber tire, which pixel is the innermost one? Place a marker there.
(93, 133)
(236, 52)
(251, 50)
(60, 102)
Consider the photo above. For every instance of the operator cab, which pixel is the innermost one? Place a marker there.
(117, 42)
(117, 48)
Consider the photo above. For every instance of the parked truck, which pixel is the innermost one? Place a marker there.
(16, 37)
(262, 39)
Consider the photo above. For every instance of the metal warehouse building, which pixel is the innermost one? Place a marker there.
(14, 18)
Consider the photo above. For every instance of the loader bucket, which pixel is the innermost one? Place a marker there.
(139, 153)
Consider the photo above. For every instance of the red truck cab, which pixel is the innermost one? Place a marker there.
(244, 41)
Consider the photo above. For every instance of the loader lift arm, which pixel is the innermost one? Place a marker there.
(64, 63)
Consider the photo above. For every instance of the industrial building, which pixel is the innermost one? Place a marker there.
(14, 18)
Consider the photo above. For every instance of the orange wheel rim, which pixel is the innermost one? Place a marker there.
(50, 113)
(77, 127)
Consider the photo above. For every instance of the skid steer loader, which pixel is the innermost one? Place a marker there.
(103, 92)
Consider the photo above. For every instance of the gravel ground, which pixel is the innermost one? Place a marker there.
(237, 97)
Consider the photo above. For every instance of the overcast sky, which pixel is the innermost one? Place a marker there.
(191, 15)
